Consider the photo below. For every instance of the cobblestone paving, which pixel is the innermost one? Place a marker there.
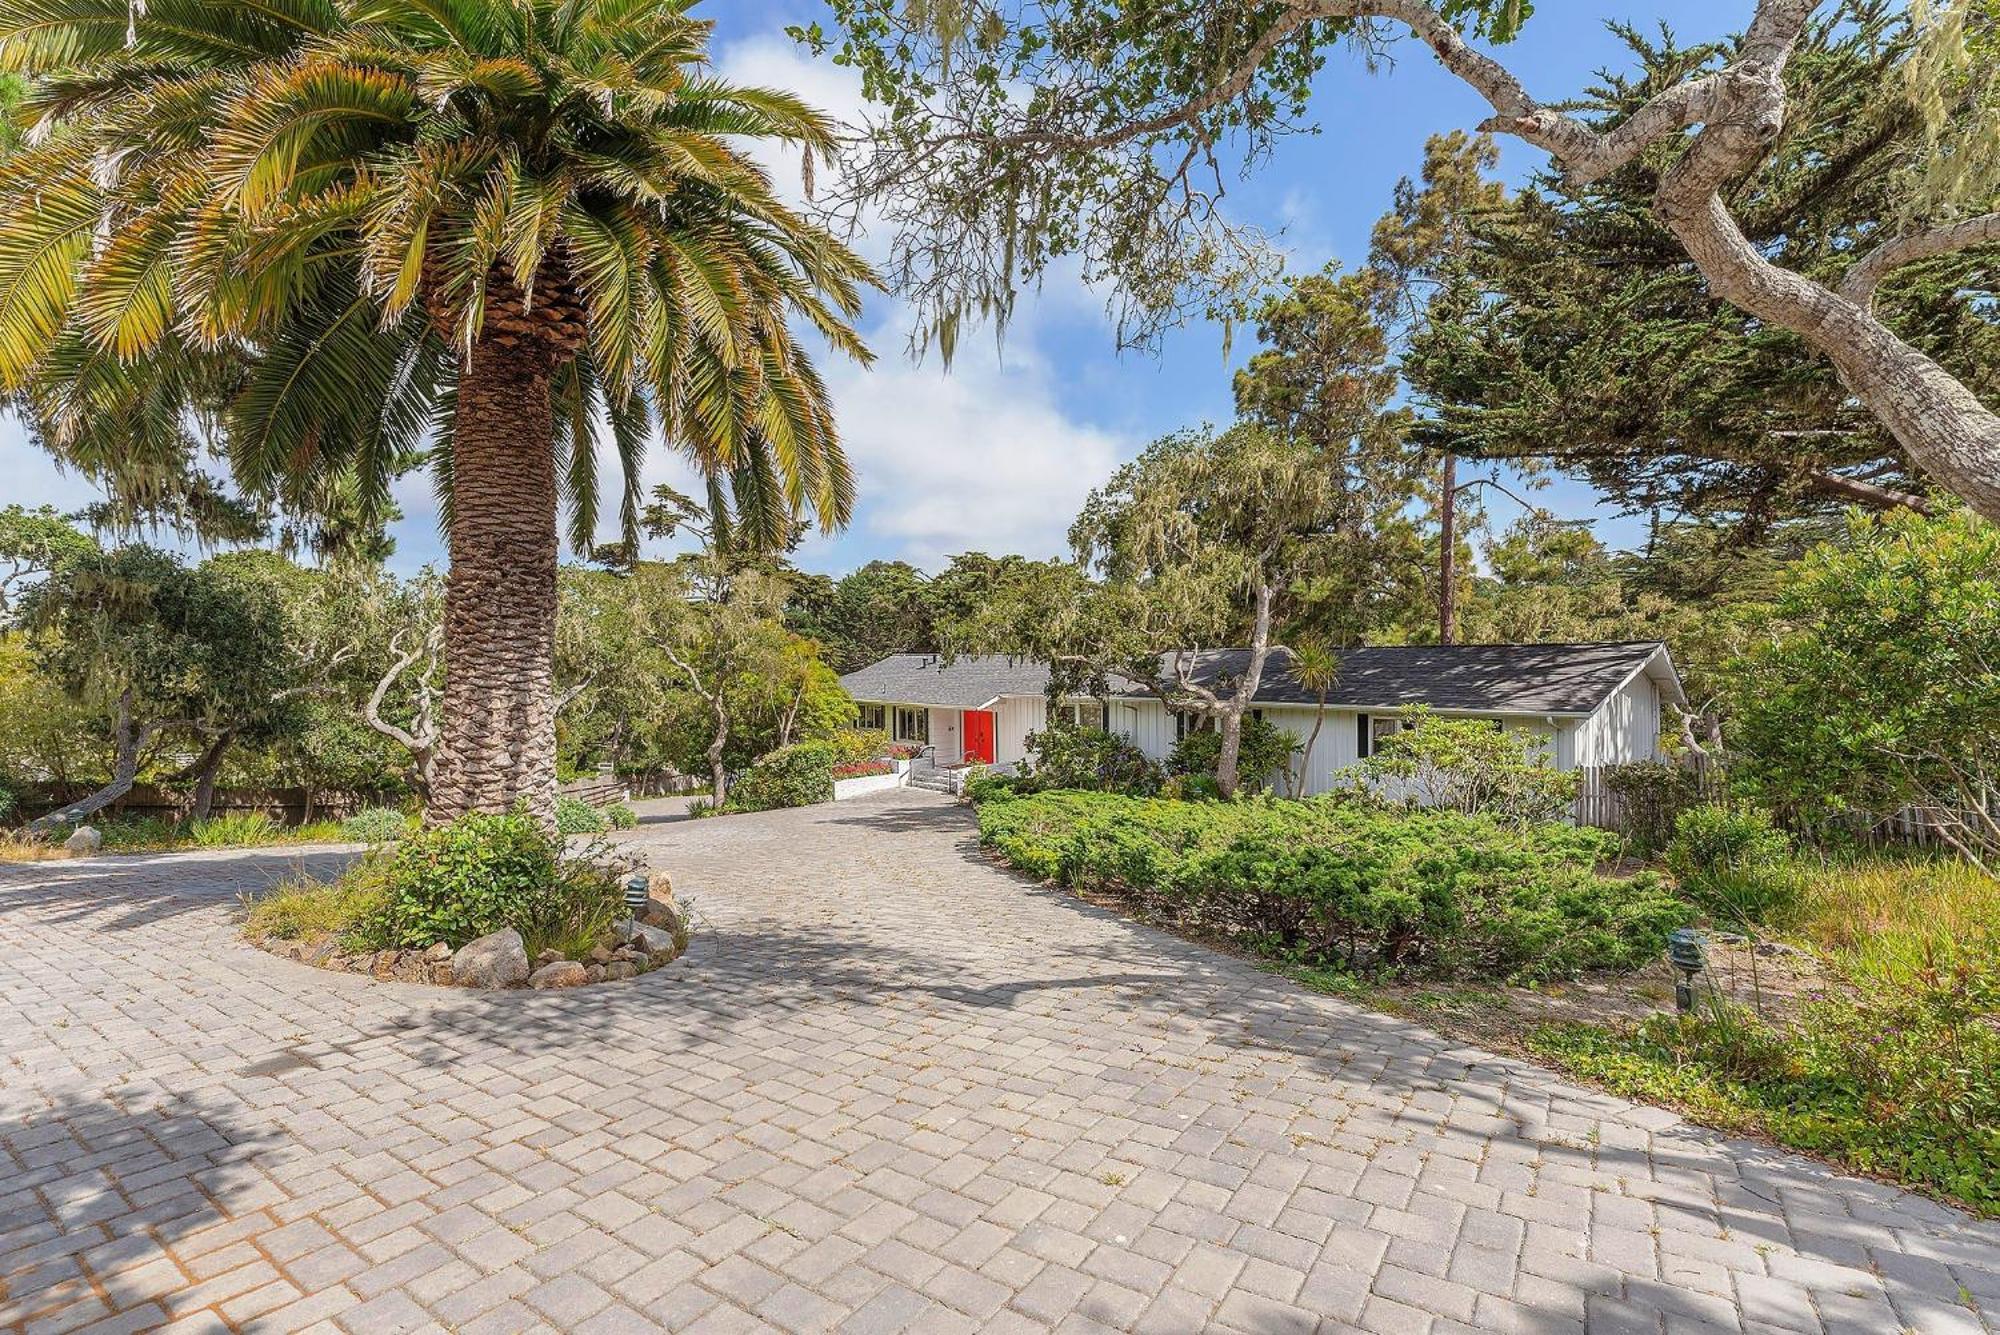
(889, 1088)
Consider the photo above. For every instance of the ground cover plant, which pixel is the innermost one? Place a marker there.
(1332, 882)
(1890, 1066)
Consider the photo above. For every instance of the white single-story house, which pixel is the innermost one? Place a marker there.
(1592, 704)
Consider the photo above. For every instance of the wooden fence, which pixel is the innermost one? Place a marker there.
(287, 806)
(1597, 804)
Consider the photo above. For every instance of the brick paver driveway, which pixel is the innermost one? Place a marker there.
(890, 1087)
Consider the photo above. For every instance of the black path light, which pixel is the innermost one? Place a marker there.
(1684, 952)
(638, 889)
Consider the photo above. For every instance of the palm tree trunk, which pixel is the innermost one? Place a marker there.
(497, 742)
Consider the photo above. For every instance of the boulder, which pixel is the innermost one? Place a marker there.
(619, 970)
(600, 954)
(384, 963)
(593, 973)
(438, 953)
(661, 913)
(87, 839)
(563, 973)
(623, 929)
(550, 956)
(656, 942)
(498, 959)
(411, 967)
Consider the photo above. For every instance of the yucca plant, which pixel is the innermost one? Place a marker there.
(355, 229)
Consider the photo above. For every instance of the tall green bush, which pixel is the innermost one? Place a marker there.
(1733, 862)
(791, 776)
(1471, 766)
(1064, 755)
(1263, 751)
(1341, 882)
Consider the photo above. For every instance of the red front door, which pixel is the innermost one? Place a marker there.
(979, 735)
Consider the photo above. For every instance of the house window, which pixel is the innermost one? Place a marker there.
(1187, 723)
(1086, 713)
(872, 718)
(912, 725)
(1370, 729)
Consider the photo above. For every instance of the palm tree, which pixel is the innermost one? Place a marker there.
(1315, 666)
(512, 225)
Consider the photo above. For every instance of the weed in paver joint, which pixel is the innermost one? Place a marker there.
(1113, 1179)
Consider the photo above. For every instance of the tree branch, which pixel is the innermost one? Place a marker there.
(1860, 282)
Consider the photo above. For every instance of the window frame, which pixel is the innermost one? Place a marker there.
(919, 734)
(877, 721)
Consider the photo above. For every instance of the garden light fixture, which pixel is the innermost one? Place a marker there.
(638, 889)
(1685, 954)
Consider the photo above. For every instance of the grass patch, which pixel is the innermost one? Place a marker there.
(1887, 917)
(305, 910)
(157, 834)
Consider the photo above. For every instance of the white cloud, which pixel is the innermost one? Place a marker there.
(983, 458)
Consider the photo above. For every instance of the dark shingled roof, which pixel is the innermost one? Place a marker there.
(920, 679)
(1476, 678)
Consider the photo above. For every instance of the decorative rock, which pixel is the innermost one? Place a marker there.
(441, 974)
(498, 959)
(632, 954)
(593, 973)
(563, 973)
(619, 970)
(622, 930)
(384, 963)
(438, 953)
(656, 942)
(600, 955)
(548, 957)
(87, 839)
(662, 913)
(411, 967)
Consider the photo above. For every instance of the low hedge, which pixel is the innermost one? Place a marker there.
(1338, 882)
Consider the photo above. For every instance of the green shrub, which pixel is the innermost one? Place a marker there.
(1330, 882)
(791, 776)
(456, 882)
(1733, 862)
(1263, 750)
(991, 787)
(1090, 759)
(852, 746)
(376, 825)
(6, 802)
(1469, 766)
(622, 817)
(576, 816)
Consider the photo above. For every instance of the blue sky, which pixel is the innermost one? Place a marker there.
(997, 453)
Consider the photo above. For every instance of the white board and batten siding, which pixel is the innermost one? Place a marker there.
(1624, 728)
